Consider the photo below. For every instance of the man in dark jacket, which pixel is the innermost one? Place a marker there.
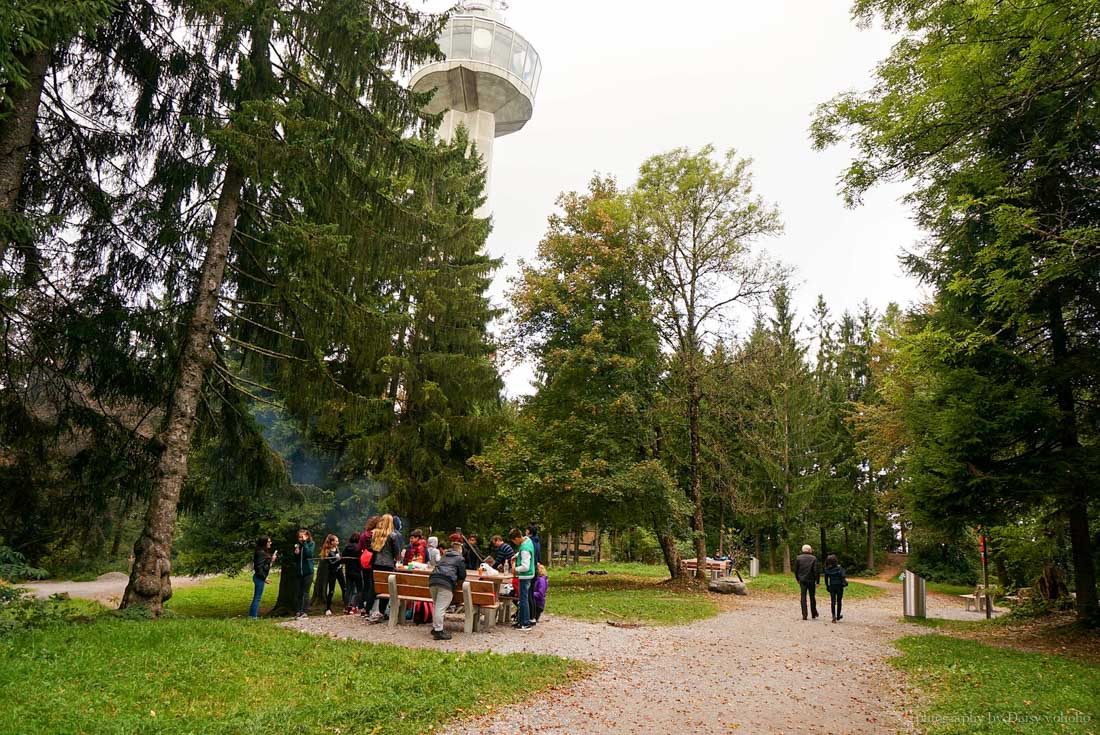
(448, 574)
(807, 570)
(471, 552)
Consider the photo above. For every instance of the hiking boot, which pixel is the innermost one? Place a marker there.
(441, 635)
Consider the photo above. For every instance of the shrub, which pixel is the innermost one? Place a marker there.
(14, 567)
(946, 558)
(20, 610)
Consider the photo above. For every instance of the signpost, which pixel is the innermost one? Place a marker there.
(985, 575)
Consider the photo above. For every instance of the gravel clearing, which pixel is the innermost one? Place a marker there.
(756, 668)
(106, 588)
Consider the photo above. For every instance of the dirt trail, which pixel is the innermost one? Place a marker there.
(757, 669)
(106, 588)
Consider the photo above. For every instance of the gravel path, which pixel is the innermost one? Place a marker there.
(757, 668)
(106, 588)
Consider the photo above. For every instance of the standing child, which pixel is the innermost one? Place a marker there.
(542, 584)
(303, 568)
(433, 551)
(835, 582)
(330, 552)
(447, 575)
(525, 573)
(261, 567)
(353, 573)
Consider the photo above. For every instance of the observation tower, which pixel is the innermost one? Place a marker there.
(487, 81)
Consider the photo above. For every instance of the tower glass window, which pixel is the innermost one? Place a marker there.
(502, 46)
(482, 40)
(460, 39)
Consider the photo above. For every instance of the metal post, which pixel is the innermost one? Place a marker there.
(914, 596)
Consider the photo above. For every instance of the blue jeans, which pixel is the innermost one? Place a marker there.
(525, 601)
(254, 611)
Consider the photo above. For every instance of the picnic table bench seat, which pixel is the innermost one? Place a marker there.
(717, 567)
(404, 587)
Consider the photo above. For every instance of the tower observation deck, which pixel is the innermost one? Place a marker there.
(487, 81)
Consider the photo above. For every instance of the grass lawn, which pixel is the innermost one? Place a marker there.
(628, 593)
(116, 677)
(975, 688)
(222, 597)
(786, 584)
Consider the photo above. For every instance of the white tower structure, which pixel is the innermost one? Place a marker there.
(487, 81)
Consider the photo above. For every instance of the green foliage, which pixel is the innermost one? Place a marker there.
(942, 557)
(14, 567)
(582, 448)
(975, 688)
(988, 107)
(20, 610)
(221, 677)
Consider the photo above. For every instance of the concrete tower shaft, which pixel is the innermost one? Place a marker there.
(487, 81)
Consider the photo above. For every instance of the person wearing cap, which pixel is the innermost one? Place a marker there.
(807, 570)
(448, 574)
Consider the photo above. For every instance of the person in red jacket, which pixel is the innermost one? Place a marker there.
(418, 548)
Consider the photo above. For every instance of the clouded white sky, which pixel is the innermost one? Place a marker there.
(625, 79)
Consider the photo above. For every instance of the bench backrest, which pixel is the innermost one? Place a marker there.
(414, 585)
(482, 592)
(711, 564)
(410, 585)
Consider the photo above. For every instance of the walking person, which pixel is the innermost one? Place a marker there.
(525, 573)
(330, 553)
(303, 568)
(835, 581)
(448, 574)
(261, 568)
(807, 570)
(385, 544)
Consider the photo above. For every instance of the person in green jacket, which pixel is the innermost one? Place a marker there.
(525, 572)
(303, 566)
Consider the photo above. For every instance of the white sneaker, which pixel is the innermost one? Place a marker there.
(328, 612)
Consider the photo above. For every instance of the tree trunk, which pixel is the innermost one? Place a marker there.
(786, 556)
(847, 541)
(150, 583)
(696, 480)
(772, 543)
(576, 547)
(599, 546)
(870, 538)
(756, 545)
(17, 130)
(904, 543)
(120, 527)
(824, 550)
(288, 600)
(669, 551)
(548, 549)
(1077, 502)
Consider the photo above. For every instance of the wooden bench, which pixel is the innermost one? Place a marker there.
(404, 587)
(717, 568)
(1022, 595)
(977, 599)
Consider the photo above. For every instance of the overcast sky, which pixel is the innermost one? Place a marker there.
(625, 79)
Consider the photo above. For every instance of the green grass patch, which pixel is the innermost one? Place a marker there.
(222, 597)
(974, 688)
(786, 584)
(649, 606)
(209, 677)
(629, 593)
(629, 569)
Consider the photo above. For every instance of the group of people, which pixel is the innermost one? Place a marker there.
(382, 547)
(807, 570)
